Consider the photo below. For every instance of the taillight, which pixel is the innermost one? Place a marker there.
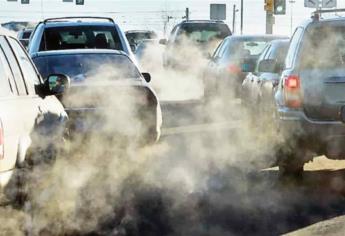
(1, 141)
(292, 91)
(234, 69)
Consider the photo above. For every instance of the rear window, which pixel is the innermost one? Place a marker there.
(78, 37)
(247, 48)
(138, 37)
(324, 47)
(204, 32)
(83, 66)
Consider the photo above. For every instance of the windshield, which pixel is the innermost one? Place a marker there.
(82, 66)
(204, 32)
(80, 37)
(324, 47)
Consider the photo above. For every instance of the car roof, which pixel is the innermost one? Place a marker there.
(139, 31)
(6, 32)
(253, 37)
(202, 22)
(53, 24)
(312, 21)
(78, 51)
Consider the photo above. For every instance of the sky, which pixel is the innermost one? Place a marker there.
(152, 14)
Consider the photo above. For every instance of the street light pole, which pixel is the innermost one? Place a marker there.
(291, 14)
(42, 15)
(241, 16)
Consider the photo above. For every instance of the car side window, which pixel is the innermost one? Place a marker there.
(29, 72)
(12, 61)
(5, 85)
(262, 57)
(222, 49)
(290, 57)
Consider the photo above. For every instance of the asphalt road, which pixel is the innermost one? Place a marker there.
(204, 181)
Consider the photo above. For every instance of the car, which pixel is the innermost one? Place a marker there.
(234, 58)
(78, 33)
(143, 46)
(310, 95)
(32, 120)
(258, 88)
(135, 37)
(108, 94)
(192, 40)
(24, 36)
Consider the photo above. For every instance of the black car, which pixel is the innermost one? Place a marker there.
(108, 94)
(310, 97)
(258, 88)
(231, 61)
(191, 40)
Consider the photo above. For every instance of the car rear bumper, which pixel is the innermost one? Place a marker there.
(323, 137)
(84, 121)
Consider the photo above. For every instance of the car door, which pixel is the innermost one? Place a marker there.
(252, 82)
(29, 102)
(47, 116)
(9, 120)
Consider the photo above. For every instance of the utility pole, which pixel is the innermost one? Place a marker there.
(241, 16)
(187, 14)
(234, 10)
(291, 14)
(269, 22)
(269, 8)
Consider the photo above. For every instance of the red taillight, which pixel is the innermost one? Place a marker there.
(1, 141)
(292, 89)
(234, 69)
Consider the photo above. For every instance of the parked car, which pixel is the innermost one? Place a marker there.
(191, 40)
(78, 33)
(104, 85)
(24, 36)
(232, 60)
(310, 96)
(135, 37)
(258, 88)
(32, 121)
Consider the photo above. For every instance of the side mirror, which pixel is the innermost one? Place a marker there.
(56, 84)
(147, 77)
(163, 41)
(133, 47)
(268, 65)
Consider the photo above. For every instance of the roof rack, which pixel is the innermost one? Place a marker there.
(79, 17)
(316, 14)
(217, 21)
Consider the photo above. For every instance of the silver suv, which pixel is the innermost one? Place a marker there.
(78, 33)
(32, 121)
(310, 95)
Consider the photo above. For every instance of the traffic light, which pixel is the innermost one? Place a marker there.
(269, 5)
(279, 7)
(25, 1)
(79, 2)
